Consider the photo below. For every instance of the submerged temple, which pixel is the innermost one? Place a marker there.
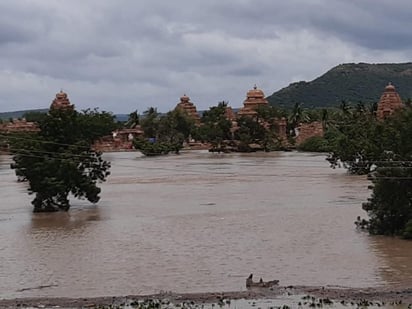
(18, 126)
(389, 102)
(61, 102)
(254, 98)
(189, 108)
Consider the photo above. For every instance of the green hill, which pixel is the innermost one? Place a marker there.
(350, 82)
(19, 114)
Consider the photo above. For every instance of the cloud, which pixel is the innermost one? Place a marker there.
(125, 55)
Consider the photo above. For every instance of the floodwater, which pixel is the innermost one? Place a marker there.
(197, 222)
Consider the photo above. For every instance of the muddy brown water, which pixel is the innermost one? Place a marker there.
(197, 222)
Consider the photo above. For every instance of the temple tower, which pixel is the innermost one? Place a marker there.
(61, 102)
(189, 108)
(389, 102)
(254, 98)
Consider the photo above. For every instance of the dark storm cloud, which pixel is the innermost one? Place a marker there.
(125, 54)
(371, 24)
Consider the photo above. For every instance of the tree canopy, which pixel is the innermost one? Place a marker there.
(383, 150)
(164, 133)
(215, 126)
(59, 160)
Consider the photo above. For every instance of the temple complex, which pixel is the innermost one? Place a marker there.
(120, 140)
(230, 114)
(308, 130)
(254, 98)
(189, 108)
(389, 102)
(19, 126)
(61, 101)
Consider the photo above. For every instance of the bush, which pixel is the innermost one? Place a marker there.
(407, 233)
(314, 144)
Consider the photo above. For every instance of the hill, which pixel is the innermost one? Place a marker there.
(352, 82)
(19, 114)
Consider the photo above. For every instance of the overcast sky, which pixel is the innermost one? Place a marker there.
(123, 55)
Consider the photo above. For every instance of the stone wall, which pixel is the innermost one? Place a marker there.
(18, 126)
(308, 130)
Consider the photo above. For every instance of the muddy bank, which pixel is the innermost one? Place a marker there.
(317, 293)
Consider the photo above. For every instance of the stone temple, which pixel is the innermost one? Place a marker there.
(61, 102)
(389, 102)
(189, 108)
(254, 98)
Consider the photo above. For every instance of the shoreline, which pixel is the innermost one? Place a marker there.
(347, 294)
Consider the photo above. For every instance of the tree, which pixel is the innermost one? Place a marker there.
(383, 150)
(98, 123)
(390, 206)
(355, 140)
(175, 127)
(260, 129)
(133, 121)
(59, 160)
(34, 116)
(166, 133)
(150, 122)
(297, 115)
(215, 126)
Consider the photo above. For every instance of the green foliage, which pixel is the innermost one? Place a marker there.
(98, 123)
(297, 116)
(315, 144)
(133, 121)
(150, 123)
(20, 114)
(215, 126)
(407, 233)
(351, 82)
(260, 130)
(390, 206)
(59, 160)
(155, 148)
(35, 116)
(167, 133)
(355, 140)
(175, 127)
(384, 150)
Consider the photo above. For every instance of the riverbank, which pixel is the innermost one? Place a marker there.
(304, 296)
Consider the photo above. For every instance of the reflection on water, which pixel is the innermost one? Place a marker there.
(197, 222)
(396, 264)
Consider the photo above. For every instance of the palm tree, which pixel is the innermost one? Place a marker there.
(324, 118)
(133, 121)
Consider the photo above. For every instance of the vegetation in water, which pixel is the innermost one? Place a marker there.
(59, 160)
(162, 133)
(382, 149)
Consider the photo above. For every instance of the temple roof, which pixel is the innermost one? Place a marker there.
(255, 93)
(61, 101)
(389, 102)
(254, 98)
(189, 108)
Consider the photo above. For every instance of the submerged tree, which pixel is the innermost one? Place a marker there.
(356, 140)
(383, 150)
(150, 122)
(390, 206)
(259, 129)
(133, 121)
(164, 133)
(215, 126)
(59, 160)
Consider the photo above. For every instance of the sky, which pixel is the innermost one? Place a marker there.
(127, 55)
